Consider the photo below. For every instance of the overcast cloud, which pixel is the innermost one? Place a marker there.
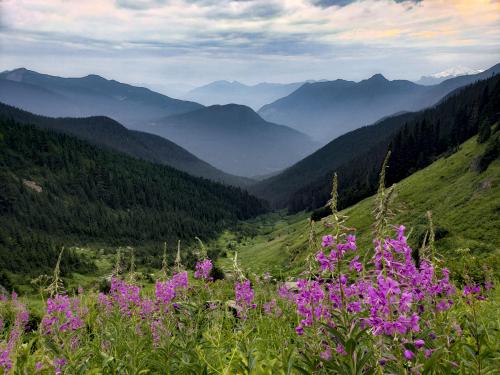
(159, 42)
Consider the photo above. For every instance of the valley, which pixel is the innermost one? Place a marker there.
(285, 225)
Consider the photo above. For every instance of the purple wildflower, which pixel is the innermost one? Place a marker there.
(203, 269)
(244, 297)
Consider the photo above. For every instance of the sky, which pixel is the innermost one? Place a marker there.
(184, 43)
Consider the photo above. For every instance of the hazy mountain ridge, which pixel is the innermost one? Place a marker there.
(234, 138)
(106, 132)
(91, 95)
(254, 96)
(326, 110)
(357, 156)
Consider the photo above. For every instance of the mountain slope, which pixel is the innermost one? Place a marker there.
(463, 201)
(326, 110)
(86, 96)
(255, 96)
(106, 132)
(415, 139)
(235, 139)
(56, 187)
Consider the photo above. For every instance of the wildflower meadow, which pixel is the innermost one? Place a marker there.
(389, 309)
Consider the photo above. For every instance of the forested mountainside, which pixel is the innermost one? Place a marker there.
(91, 95)
(55, 189)
(415, 140)
(236, 139)
(326, 110)
(104, 131)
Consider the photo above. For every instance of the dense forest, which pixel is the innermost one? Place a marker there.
(55, 189)
(421, 139)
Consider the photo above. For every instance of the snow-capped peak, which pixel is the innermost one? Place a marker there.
(455, 71)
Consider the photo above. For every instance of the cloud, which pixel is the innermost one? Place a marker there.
(317, 35)
(329, 3)
(341, 3)
(140, 4)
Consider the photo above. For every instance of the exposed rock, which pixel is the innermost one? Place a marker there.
(32, 185)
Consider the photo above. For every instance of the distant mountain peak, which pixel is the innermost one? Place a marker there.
(452, 72)
(15, 74)
(238, 113)
(95, 77)
(456, 71)
(377, 78)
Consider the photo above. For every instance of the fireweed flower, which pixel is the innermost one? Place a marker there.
(62, 315)
(355, 265)
(244, 295)
(180, 280)
(340, 349)
(203, 269)
(387, 300)
(419, 343)
(271, 308)
(105, 302)
(16, 332)
(326, 355)
(59, 363)
(126, 296)
(327, 241)
(166, 291)
(310, 302)
(408, 354)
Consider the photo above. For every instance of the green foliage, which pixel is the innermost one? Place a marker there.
(69, 192)
(491, 153)
(484, 131)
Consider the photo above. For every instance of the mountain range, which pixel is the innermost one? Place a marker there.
(254, 96)
(326, 110)
(232, 138)
(235, 139)
(91, 95)
(414, 138)
(103, 131)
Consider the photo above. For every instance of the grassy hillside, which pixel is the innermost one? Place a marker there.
(465, 206)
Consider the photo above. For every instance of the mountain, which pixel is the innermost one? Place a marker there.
(91, 95)
(106, 132)
(235, 139)
(326, 110)
(464, 204)
(255, 96)
(415, 139)
(56, 189)
(439, 77)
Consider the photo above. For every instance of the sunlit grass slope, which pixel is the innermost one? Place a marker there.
(465, 205)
